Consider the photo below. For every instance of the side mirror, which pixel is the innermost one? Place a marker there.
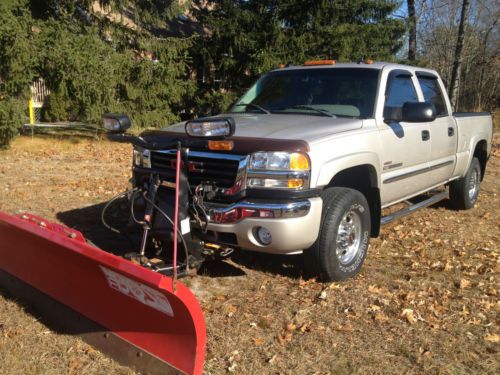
(411, 112)
(418, 112)
(116, 122)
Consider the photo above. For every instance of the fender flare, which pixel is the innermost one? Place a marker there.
(332, 167)
(472, 148)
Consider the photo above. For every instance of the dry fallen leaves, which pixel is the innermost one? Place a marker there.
(74, 365)
(492, 337)
(464, 283)
(287, 334)
(305, 327)
(272, 359)
(409, 315)
(230, 310)
(346, 328)
(235, 356)
(258, 342)
(381, 317)
(285, 337)
(322, 295)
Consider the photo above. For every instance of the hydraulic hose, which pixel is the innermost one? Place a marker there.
(103, 212)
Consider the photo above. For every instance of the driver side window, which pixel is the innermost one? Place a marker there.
(401, 90)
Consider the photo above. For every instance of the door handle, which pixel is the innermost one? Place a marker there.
(426, 135)
(451, 132)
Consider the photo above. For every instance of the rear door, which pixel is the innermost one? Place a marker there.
(443, 130)
(405, 147)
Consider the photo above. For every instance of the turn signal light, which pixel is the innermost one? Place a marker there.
(295, 183)
(299, 162)
(220, 145)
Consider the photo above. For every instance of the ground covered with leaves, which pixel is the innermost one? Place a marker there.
(425, 302)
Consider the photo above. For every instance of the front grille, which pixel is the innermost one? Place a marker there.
(221, 169)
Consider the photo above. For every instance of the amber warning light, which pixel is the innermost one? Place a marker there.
(220, 145)
(320, 62)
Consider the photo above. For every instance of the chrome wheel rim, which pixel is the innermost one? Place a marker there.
(474, 184)
(348, 236)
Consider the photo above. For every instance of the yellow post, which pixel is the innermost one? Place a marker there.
(32, 118)
(32, 112)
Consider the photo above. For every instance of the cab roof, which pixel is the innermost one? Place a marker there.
(379, 65)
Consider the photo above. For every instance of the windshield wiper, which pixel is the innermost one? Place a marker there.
(323, 112)
(253, 105)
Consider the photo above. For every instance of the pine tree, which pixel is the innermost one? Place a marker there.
(246, 38)
(90, 64)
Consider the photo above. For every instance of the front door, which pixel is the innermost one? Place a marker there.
(405, 147)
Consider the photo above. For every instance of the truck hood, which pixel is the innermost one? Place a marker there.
(285, 126)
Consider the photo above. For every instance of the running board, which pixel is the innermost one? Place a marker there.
(414, 207)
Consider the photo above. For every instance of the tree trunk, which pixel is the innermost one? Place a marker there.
(457, 62)
(412, 38)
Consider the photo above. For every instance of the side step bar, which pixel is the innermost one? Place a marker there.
(413, 207)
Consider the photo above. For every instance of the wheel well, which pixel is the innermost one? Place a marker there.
(481, 153)
(364, 179)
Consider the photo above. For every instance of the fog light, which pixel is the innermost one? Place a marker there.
(264, 236)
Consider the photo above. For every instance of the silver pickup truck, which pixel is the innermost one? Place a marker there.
(319, 150)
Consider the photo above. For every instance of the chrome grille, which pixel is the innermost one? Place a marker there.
(221, 169)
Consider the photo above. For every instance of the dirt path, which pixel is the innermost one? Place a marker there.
(426, 301)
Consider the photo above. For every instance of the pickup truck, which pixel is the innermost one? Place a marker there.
(317, 152)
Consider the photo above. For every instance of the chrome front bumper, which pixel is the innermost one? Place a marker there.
(294, 226)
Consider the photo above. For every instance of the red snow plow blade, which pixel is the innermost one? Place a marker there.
(158, 323)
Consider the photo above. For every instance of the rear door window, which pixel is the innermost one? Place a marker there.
(432, 93)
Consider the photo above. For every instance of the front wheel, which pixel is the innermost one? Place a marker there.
(342, 243)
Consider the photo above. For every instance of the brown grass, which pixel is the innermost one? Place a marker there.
(425, 302)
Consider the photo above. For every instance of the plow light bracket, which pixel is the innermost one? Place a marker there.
(211, 128)
(116, 122)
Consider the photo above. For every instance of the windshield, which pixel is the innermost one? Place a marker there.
(343, 92)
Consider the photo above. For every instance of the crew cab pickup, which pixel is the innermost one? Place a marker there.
(318, 151)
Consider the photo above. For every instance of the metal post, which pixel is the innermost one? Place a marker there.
(176, 211)
(32, 117)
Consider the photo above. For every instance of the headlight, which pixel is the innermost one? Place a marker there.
(279, 161)
(142, 158)
(279, 170)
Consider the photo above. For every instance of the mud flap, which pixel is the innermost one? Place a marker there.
(151, 315)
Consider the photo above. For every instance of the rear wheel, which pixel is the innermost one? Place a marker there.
(465, 191)
(342, 243)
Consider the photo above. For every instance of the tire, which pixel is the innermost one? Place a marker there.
(336, 257)
(465, 191)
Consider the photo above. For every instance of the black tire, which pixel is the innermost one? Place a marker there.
(465, 191)
(322, 259)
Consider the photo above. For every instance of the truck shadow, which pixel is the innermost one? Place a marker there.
(284, 265)
(87, 220)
